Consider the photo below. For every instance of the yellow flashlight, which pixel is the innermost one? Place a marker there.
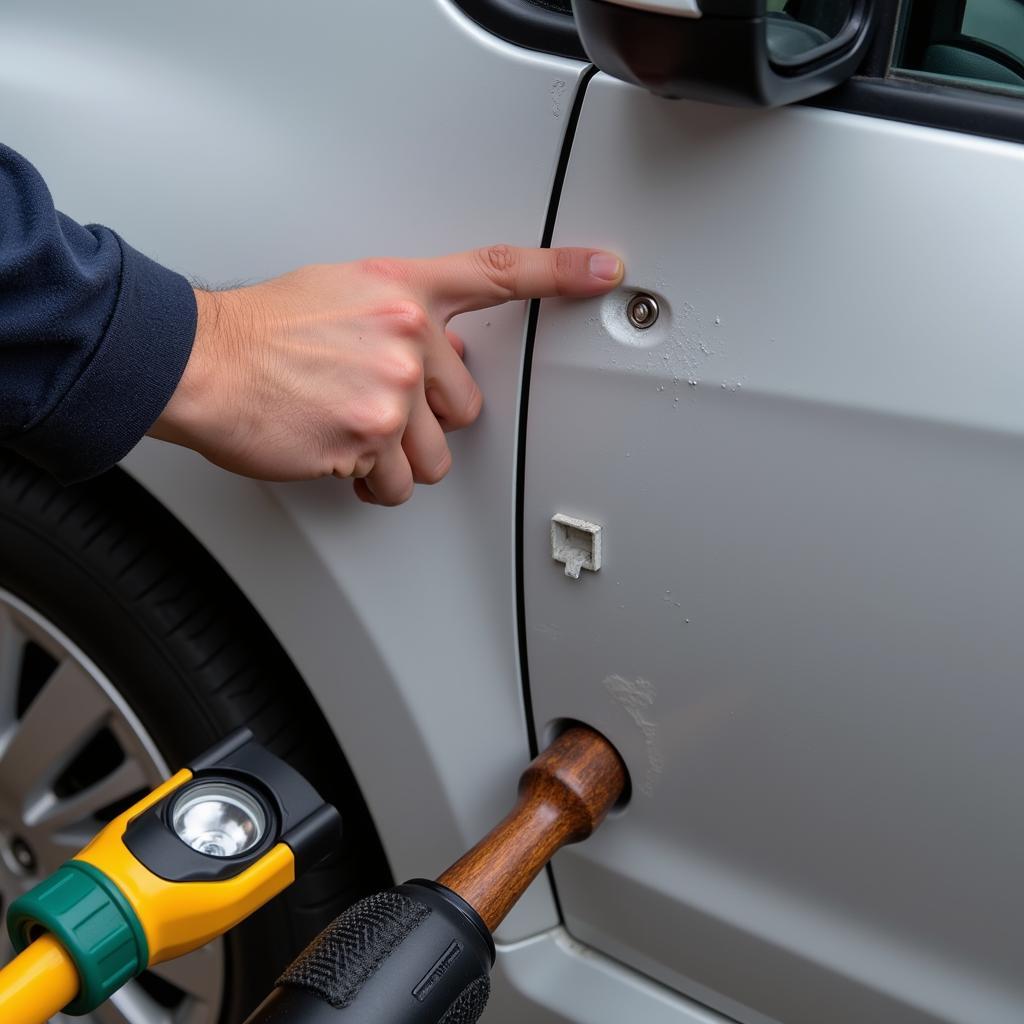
(182, 866)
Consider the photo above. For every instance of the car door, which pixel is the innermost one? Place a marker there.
(806, 460)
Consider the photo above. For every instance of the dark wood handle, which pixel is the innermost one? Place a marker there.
(563, 796)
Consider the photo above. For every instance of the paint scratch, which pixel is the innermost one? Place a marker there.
(637, 697)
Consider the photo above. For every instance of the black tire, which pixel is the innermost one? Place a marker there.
(111, 568)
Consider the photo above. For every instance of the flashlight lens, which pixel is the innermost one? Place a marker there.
(219, 819)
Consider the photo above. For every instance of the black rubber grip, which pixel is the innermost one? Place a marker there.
(416, 954)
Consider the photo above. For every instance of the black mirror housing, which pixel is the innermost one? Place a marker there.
(735, 52)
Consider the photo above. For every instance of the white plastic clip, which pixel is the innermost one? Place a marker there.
(576, 544)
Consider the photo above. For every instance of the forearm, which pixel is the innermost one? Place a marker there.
(94, 336)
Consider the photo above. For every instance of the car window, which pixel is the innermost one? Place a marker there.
(973, 42)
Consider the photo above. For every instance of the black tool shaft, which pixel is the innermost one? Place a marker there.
(410, 955)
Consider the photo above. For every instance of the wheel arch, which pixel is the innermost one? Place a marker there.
(273, 564)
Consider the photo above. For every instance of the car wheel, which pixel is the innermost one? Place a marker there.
(124, 651)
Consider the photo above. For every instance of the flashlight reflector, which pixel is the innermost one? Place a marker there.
(219, 819)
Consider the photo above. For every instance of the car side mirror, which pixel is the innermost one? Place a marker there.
(739, 52)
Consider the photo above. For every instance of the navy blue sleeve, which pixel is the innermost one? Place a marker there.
(94, 336)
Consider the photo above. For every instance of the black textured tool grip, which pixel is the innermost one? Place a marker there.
(417, 954)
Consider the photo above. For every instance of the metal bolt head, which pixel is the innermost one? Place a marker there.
(642, 311)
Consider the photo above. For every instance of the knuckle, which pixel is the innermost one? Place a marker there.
(380, 421)
(391, 419)
(363, 466)
(564, 267)
(499, 263)
(438, 472)
(563, 262)
(399, 497)
(474, 407)
(406, 372)
(469, 411)
(500, 257)
(408, 318)
(344, 468)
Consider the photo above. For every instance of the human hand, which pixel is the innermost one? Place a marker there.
(347, 369)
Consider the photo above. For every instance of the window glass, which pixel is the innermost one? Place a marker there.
(978, 42)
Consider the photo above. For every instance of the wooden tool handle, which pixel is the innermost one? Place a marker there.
(563, 796)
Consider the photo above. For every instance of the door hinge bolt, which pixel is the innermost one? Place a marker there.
(642, 311)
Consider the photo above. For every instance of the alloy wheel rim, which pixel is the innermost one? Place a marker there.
(73, 755)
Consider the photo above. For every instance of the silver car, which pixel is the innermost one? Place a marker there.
(756, 515)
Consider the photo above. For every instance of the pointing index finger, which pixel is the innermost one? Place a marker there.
(498, 273)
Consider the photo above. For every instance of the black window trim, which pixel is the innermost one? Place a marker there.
(956, 108)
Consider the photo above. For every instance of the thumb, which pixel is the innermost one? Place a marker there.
(498, 273)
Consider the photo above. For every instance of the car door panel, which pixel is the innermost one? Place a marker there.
(805, 634)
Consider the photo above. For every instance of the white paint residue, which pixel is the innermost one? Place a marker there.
(637, 697)
(683, 346)
(557, 96)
